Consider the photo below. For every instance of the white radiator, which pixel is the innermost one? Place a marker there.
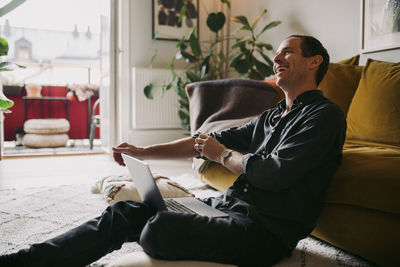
(160, 112)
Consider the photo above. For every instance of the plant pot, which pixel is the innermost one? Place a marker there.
(33, 90)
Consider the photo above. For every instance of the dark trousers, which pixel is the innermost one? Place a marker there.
(164, 235)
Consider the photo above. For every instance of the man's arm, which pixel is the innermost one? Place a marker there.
(182, 148)
(212, 149)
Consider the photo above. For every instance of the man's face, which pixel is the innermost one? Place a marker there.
(290, 66)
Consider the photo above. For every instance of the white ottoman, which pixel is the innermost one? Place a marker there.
(46, 133)
(141, 259)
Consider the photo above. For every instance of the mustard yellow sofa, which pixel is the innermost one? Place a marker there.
(362, 209)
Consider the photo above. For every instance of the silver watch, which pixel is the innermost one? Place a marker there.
(224, 155)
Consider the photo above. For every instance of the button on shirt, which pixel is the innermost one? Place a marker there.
(288, 162)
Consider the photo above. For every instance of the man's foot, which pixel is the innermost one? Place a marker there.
(11, 260)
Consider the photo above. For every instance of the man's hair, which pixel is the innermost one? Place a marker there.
(310, 46)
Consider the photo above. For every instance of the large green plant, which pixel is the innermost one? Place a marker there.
(206, 63)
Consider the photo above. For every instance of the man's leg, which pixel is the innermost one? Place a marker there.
(119, 223)
(235, 239)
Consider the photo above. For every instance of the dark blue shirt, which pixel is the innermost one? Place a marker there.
(288, 163)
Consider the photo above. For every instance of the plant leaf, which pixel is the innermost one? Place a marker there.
(188, 56)
(3, 47)
(226, 2)
(255, 21)
(191, 77)
(242, 20)
(241, 42)
(254, 75)
(216, 21)
(269, 26)
(181, 44)
(194, 43)
(181, 13)
(241, 66)
(266, 58)
(148, 91)
(205, 66)
(262, 68)
(9, 66)
(264, 45)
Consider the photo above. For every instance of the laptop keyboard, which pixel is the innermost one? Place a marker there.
(175, 206)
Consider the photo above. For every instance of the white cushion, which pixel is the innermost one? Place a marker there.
(46, 126)
(45, 140)
(141, 259)
(121, 187)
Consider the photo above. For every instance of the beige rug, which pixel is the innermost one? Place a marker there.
(35, 214)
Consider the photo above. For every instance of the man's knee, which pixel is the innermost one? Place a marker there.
(156, 235)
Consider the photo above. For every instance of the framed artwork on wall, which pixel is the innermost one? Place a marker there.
(380, 25)
(166, 25)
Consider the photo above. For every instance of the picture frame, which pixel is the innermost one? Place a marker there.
(380, 25)
(165, 14)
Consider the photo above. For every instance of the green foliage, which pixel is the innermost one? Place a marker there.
(249, 58)
(6, 103)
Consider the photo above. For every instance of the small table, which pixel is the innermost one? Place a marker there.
(45, 98)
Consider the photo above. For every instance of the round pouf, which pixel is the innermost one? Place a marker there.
(46, 126)
(45, 140)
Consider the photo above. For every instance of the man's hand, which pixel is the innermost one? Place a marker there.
(128, 149)
(209, 147)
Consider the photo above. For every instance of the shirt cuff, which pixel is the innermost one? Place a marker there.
(245, 161)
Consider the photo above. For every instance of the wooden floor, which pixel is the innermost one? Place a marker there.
(83, 169)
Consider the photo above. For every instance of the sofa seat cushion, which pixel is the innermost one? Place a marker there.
(46, 126)
(45, 140)
(368, 177)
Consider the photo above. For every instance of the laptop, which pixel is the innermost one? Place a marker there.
(150, 194)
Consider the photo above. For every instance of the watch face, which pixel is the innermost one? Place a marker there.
(225, 153)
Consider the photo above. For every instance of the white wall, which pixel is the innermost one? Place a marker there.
(336, 23)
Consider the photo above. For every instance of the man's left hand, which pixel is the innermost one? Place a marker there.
(209, 147)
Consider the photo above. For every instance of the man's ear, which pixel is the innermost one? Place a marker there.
(316, 61)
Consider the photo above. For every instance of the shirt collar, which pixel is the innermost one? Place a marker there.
(302, 99)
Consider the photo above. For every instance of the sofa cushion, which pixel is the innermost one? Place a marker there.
(340, 83)
(374, 113)
(121, 187)
(216, 175)
(368, 177)
(350, 61)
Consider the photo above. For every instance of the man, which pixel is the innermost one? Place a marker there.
(284, 159)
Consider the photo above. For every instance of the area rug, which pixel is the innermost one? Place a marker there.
(35, 214)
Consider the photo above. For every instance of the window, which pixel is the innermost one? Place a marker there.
(23, 49)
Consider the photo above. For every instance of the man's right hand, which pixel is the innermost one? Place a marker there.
(128, 149)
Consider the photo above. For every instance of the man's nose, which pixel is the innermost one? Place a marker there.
(277, 58)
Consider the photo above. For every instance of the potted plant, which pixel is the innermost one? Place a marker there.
(5, 103)
(247, 57)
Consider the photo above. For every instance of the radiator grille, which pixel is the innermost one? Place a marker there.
(160, 112)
